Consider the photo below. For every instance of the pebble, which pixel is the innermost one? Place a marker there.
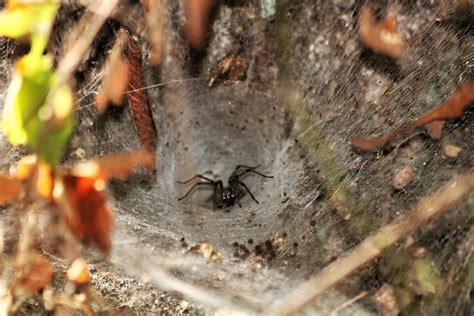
(80, 153)
(403, 177)
(451, 150)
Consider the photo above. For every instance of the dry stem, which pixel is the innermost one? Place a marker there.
(453, 193)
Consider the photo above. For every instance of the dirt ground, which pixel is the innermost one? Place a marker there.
(310, 85)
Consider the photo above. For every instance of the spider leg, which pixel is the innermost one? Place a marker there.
(235, 173)
(195, 185)
(218, 188)
(243, 184)
(215, 198)
(246, 167)
(236, 176)
(198, 176)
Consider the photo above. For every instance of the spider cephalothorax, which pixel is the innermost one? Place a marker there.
(230, 195)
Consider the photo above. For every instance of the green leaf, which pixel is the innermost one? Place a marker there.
(33, 19)
(14, 24)
(26, 94)
(51, 149)
(37, 112)
(57, 117)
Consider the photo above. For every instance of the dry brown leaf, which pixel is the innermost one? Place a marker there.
(371, 143)
(229, 69)
(145, 4)
(120, 165)
(452, 108)
(435, 129)
(156, 20)
(138, 101)
(79, 193)
(116, 166)
(10, 189)
(83, 204)
(26, 167)
(116, 76)
(380, 36)
(35, 275)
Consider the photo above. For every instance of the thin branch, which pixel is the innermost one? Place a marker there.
(74, 56)
(450, 195)
(349, 302)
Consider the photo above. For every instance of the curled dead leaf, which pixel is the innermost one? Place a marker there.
(229, 69)
(380, 36)
(120, 165)
(145, 4)
(156, 20)
(26, 167)
(11, 188)
(79, 193)
(116, 76)
(435, 129)
(82, 203)
(197, 14)
(117, 166)
(35, 275)
(452, 108)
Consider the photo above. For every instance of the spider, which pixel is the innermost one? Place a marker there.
(226, 196)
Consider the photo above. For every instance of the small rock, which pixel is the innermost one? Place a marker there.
(80, 153)
(386, 300)
(451, 150)
(184, 304)
(403, 177)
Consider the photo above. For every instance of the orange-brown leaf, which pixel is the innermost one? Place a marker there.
(36, 275)
(116, 78)
(156, 21)
(368, 143)
(381, 37)
(26, 167)
(10, 189)
(118, 166)
(197, 13)
(435, 129)
(390, 23)
(452, 108)
(145, 4)
(83, 204)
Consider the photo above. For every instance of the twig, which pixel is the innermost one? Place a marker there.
(74, 56)
(453, 193)
(349, 302)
